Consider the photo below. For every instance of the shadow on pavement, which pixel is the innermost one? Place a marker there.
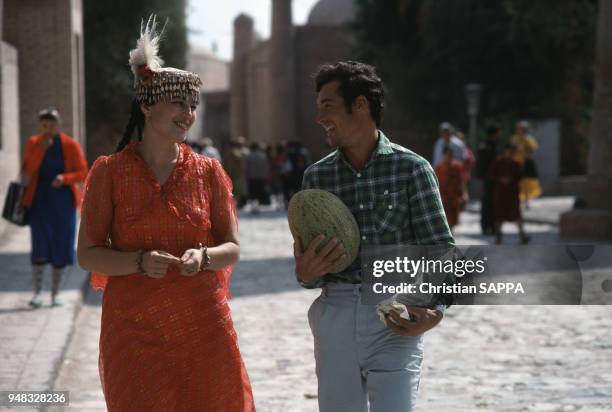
(537, 238)
(16, 273)
(256, 277)
(19, 310)
(263, 214)
(250, 277)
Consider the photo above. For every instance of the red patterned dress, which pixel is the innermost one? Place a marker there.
(450, 176)
(165, 344)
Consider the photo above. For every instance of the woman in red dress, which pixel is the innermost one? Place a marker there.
(452, 186)
(159, 232)
(505, 173)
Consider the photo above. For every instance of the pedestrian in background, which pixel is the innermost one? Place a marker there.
(280, 168)
(53, 167)
(526, 145)
(299, 159)
(209, 149)
(487, 153)
(505, 172)
(448, 138)
(468, 163)
(452, 186)
(257, 174)
(235, 165)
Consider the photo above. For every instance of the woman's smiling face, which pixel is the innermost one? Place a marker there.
(173, 118)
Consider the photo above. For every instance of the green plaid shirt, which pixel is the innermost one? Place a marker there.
(395, 200)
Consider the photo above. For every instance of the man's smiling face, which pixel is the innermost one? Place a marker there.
(333, 116)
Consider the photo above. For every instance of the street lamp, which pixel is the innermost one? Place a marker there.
(472, 95)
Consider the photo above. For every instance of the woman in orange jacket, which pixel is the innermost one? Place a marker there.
(53, 165)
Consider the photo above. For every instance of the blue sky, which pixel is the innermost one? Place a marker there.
(211, 21)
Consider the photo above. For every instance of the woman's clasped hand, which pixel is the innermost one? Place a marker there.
(155, 263)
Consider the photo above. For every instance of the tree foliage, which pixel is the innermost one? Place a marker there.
(111, 29)
(534, 58)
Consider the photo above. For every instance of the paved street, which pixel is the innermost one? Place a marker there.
(510, 358)
(32, 342)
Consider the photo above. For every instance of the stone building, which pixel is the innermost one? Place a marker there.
(214, 73)
(41, 65)
(271, 97)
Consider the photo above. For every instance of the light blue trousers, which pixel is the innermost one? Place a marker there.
(359, 360)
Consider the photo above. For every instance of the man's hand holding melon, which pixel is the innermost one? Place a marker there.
(310, 265)
(325, 233)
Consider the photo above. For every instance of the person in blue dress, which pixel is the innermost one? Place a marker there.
(54, 166)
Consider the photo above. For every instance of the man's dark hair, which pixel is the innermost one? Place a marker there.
(355, 79)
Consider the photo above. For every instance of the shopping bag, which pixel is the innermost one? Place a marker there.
(13, 210)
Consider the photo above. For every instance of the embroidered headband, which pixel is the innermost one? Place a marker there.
(153, 82)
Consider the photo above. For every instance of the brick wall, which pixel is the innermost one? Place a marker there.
(48, 37)
(214, 73)
(309, 56)
(259, 95)
(214, 113)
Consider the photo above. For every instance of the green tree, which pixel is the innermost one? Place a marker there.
(111, 30)
(534, 58)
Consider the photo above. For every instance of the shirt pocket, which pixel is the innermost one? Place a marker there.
(390, 211)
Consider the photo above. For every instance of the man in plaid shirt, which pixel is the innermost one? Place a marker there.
(393, 194)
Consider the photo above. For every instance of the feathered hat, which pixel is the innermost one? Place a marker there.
(153, 82)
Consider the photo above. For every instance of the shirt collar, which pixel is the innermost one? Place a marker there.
(383, 147)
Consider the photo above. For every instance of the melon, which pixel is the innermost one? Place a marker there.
(313, 212)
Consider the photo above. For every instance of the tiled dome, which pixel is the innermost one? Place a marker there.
(332, 12)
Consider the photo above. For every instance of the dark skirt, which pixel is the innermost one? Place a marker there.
(52, 214)
(507, 202)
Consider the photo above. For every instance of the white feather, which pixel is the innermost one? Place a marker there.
(147, 47)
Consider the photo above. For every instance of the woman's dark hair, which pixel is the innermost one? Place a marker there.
(356, 79)
(136, 122)
(48, 117)
(49, 113)
(446, 150)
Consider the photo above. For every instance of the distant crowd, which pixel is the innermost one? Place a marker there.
(261, 174)
(508, 176)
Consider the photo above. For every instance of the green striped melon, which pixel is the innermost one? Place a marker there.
(313, 212)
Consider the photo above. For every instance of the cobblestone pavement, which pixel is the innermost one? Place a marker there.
(32, 342)
(480, 358)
